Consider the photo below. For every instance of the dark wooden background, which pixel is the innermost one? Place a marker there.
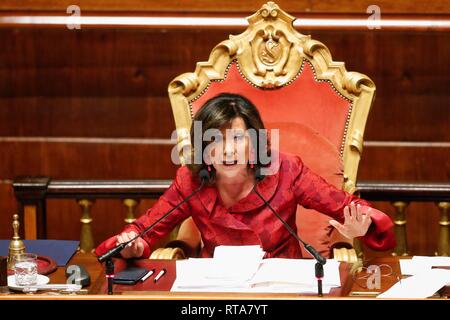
(68, 97)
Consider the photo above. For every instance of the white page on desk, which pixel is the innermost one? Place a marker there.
(420, 264)
(295, 272)
(292, 289)
(192, 268)
(419, 286)
(191, 278)
(287, 289)
(191, 274)
(433, 261)
(409, 267)
(235, 263)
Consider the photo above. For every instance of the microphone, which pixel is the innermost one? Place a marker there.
(319, 258)
(316, 255)
(204, 177)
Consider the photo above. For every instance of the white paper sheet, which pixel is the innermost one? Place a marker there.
(419, 286)
(235, 263)
(409, 267)
(273, 275)
(420, 264)
(295, 271)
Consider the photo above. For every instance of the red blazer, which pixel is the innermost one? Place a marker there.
(249, 221)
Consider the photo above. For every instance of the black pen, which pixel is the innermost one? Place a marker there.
(160, 274)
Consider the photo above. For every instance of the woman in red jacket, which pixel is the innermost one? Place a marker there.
(227, 211)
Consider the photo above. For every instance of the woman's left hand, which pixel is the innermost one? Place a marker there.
(356, 222)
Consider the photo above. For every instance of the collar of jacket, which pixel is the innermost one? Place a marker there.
(267, 188)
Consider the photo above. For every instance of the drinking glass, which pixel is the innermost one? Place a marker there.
(25, 269)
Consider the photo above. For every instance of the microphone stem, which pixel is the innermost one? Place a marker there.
(116, 250)
(110, 275)
(316, 255)
(319, 288)
(166, 214)
(319, 275)
(286, 225)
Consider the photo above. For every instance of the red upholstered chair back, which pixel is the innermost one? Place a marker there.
(319, 108)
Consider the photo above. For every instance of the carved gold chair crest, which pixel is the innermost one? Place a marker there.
(319, 107)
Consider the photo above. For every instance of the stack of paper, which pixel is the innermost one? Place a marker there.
(420, 264)
(425, 280)
(242, 269)
(235, 263)
(285, 273)
(419, 286)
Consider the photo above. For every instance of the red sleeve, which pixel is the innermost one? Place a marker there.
(171, 197)
(380, 235)
(111, 242)
(313, 192)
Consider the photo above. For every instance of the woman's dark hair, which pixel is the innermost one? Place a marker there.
(220, 111)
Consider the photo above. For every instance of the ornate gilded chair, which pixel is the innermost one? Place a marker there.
(319, 107)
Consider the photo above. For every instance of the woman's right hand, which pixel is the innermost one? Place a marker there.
(134, 249)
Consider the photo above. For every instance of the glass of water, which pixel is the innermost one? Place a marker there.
(25, 269)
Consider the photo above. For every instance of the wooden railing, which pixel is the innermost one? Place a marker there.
(400, 195)
(32, 194)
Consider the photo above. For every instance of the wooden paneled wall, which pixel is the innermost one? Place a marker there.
(93, 103)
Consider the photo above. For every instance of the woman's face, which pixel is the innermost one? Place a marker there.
(230, 154)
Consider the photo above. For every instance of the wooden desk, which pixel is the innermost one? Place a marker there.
(352, 287)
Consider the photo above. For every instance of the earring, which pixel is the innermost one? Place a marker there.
(252, 159)
(209, 168)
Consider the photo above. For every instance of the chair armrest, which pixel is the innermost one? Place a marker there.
(187, 248)
(345, 255)
(175, 250)
(168, 254)
(342, 248)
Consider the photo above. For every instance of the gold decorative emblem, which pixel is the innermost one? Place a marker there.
(270, 51)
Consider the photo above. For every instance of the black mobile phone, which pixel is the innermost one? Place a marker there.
(130, 275)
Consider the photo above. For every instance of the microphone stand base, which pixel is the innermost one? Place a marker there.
(319, 277)
(110, 274)
(319, 288)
